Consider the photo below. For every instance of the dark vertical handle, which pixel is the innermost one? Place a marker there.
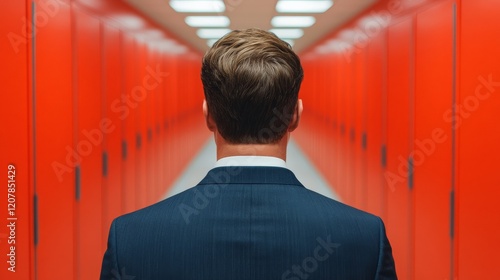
(383, 155)
(77, 183)
(364, 139)
(410, 173)
(124, 149)
(104, 164)
(35, 219)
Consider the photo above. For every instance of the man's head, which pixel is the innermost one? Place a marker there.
(251, 80)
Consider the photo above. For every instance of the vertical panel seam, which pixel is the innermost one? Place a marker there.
(33, 97)
(453, 140)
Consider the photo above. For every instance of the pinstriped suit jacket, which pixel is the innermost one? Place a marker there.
(248, 223)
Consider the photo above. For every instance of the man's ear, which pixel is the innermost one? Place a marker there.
(210, 122)
(297, 113)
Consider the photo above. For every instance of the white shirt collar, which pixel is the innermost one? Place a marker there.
(251, 161)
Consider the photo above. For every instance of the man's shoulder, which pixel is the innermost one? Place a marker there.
(336, 208)
(164, 209)
(228, 188)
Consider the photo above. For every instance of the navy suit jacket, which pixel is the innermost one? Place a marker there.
(248, 223)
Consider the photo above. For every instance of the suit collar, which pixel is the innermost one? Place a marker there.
(251, 161)
(250, 175)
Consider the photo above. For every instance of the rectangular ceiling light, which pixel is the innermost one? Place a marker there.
(170, 46)
(297, 6)
(212, 33)
(288, 33)
(211, 42)
(207, 21)
(198, 6)
(130, 22)
(151, 34)
(293, 21)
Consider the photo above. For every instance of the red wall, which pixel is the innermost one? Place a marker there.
(92, 121)
(402, 123)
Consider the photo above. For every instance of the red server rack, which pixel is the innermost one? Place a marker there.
(477, 224)
(430, 78)
(399, 219)
(16, 232)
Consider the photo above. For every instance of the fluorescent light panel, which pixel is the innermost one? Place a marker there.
(170, 46)
(166, 43)
(130, 22)
(334, 45)
(292, 6)
(177, 49)
(210, 42)
(151, 34)
(288, 33)
(293, 21)
(212, 33)
(198, 6)
(207, 21)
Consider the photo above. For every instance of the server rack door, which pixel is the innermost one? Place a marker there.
(55, 156)
(167, 124)
(142, 95)
(193, 78)
(173, 112)
(315, 104)
(375, 146)
(477, 219)
(350, 128)
(112, 152)
(347, 128)
(432, 150)
(337, 122)
(343, 138)
(332, 126)
(128, 116)
(147, 127)
(322, 92)
(324, 148)
(157, 150)
(161, 130)
(349, 135)
(152, 88)
(16, 235)
(399, 100)
(90, 132)
(359, 172)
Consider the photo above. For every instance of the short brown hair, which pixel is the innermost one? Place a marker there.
(251, 80)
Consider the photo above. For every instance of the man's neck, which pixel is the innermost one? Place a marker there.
(225, 149)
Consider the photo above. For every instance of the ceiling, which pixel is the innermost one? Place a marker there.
(250, 13)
